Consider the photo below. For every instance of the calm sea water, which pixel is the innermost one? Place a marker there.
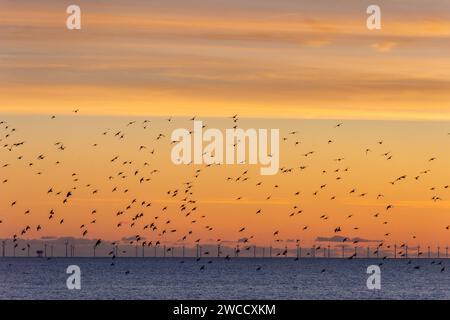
(169, 278)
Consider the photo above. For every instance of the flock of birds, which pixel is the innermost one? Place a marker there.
(134, 216)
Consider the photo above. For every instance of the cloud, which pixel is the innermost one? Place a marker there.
(341, 239)
(316, 43)
(364, 240)
(385, 46)
(132, 238)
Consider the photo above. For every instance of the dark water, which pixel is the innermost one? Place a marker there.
(150, 278)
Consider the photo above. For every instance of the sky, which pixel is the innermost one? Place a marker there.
(86, 165)
(313, 59)
(298, 66)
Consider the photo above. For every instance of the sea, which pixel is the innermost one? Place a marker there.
(218, 278)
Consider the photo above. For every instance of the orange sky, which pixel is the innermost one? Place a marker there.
(411, 145)
(267, 61)
(269, 58)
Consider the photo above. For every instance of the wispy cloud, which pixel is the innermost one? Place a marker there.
(262, 57)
